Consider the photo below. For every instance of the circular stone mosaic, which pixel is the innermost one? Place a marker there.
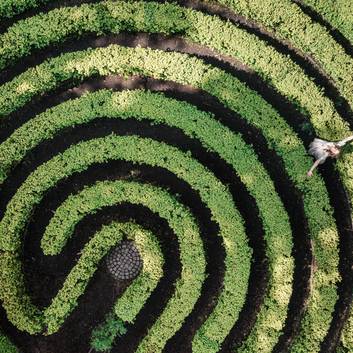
(124, 261)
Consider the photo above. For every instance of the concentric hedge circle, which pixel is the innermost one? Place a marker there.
(242, 136)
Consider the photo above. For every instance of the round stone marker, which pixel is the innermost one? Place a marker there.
(124, 261)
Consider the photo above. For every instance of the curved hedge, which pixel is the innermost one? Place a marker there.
(287, 20)
(109, 236)
(130, 148)
(276, 68)
(187, 288)
(338, 13)
(74, 285)
(231, 147)
(281, 17)
(234, 94)
(54, 315)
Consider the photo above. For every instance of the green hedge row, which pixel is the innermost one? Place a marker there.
(113, 17)
(215, 195)
(6, 346)
(109, 236)
(187, 288)
(236, 96)
(76, 282)
(132, 300)
(19, 308)
(10, 8)
(313, 104)
(288, 22)
(282, 17)
(134, 297)
(339, 13)
(214, 136)
(179, 218)
(284, 20)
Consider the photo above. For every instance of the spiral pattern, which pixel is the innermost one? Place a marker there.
(182, 127)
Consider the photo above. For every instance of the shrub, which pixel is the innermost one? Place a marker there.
(104, 335)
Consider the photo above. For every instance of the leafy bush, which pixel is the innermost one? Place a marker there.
(104, 335)
(6, 346)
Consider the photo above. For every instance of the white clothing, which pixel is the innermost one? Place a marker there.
(318, 148)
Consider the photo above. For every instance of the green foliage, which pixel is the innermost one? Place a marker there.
(338, 12)
(238, 97)
(134, 297)
(109, 236)
(6, 345)
(277, 69)
(213, 135)
(213, 193)
(109, 193)
(282, 17)
(10, 8)
(235, 95)
(288, 22)
(104, 335)
(14, 297)
(76, 282)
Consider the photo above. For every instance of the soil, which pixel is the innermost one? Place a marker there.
(288, 193)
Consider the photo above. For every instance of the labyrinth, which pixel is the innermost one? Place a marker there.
(154, 194)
